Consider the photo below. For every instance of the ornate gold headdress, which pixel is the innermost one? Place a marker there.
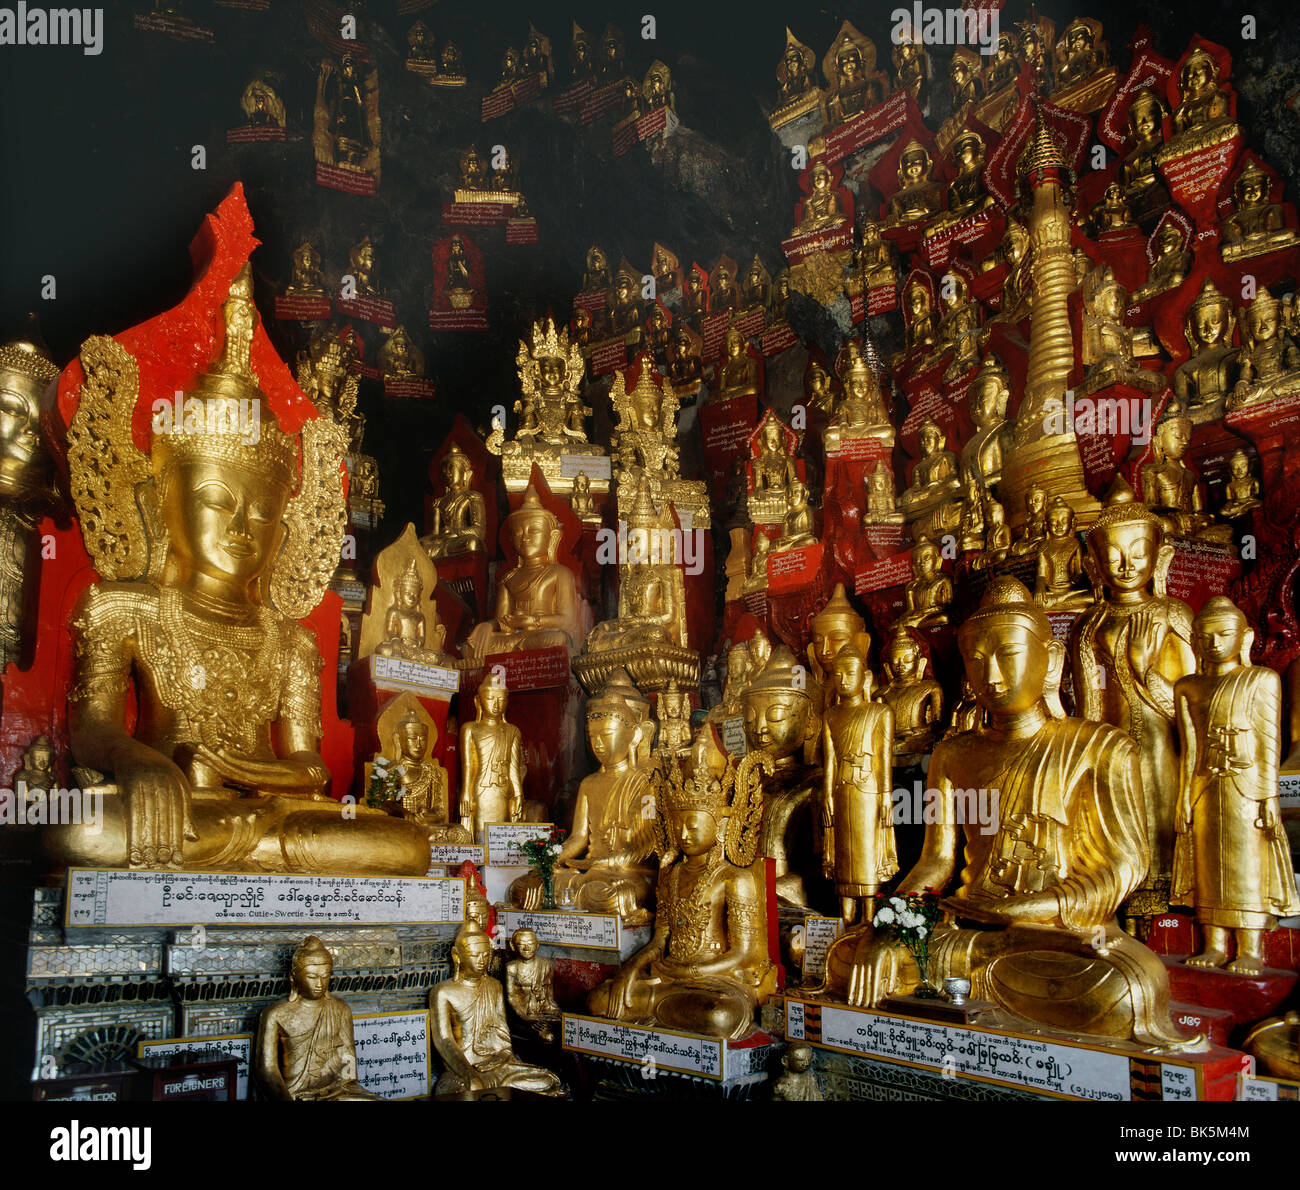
(549, 343)
(1122, 508)
(23, 358)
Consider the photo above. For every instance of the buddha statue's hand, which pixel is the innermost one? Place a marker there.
(303, 775)
(1145, 636)
(878, 967)
(157, 797)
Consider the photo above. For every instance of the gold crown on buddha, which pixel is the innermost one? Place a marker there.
(1210, 295)
(701, 789)
(620, 697)
(532, 506)
(208, 424)
(1266, 303)
(548, 342)
(1008, 597)
(1253, 171)
(991, 367)
(783, 673)
(1148, 98)
(23, 358)
(1201, 55)
(1122, 507)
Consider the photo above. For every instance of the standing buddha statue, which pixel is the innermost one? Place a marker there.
(491, 761)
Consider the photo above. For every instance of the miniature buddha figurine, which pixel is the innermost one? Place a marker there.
(1004, 69)
(537, 602)
(530, 986)
(794, 75)
(930, 591)
(491, 761)
(706, 969)
(724, 295)
(1256, 225)
(667, 274)
(915, 700)
(695, 301)
(1204, 113)
(1128, 651)
(305, 1050)
(799, 527)
(966, 192)
(344, 95)
(745, 661)
(511, 69)
(580, 499)
(399, 359)
(1170, 489)
(1013, 250)
(935, 477)
(911, 64)
(361, 262)
(882, 505)
(773, 467)
(1112, 213)
(1269, 351)
(673, 716)
(857, 807)
(971, 523)
(610, 66)
(1171, 265)
(1035, 52)
(458, 274)
(981, 457)
(1137, 171)
(1033, 532)
(409, 736)
(917, 197)
(1060, 563)
(657, 333)
(1231, 858)
(997, 535)
(582, 59)
(1107, 342)
(685, 368)
(738, 371)
(467, 1025)
(852, 90)
(1079, 57)
(460, 513)
(819, 388)
(36, 776)
(222, 767)
(964, 83)
(603, 866)
(596, 274)
(797, 1082)
(922, 323)
(874, 262)
(405, 628)
(959, 328)
(624, 309)
(450, 59)
(1241, 491)
(757, 291)
(776, 306)
(1204, 381)
(1042, 883)
(420, 46)
(306, 278)
(762, 547)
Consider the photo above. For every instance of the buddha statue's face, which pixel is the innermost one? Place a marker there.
(776, 721)
(931, 440)
(986, 402)
(1196, 78)
(414, 737)
(551, 372)
(1240, 466)
(1220, 636)
(794, 65)
(1170, 241)
(772, 438)
(821, 177)
(1035, 501)
(611, 738)
(697, 831)
(22, 451)
(829, 636)
(646, 406)
(1005, 47)
(918, 302)
(735, 344)
(1060, 521)
(848, 672)
(1109, 302)
(1262, 320)
(457, 472)
(657, 322)
(312, 978)
(457, 247)
(1126, 554)
(475, 953)
(799, 1059)
(1007, 664)
(1144, 120)
(1250, 190)
(849, 63)
(1174, 437)
(916, 164)
(222, 521)
(526, 944)
(927, 561)
(693, 281)
(1080, 39)
(531, 536)
(407, 591)
(492, 699)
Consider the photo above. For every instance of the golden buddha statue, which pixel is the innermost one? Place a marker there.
(911, 64)
(966, 192)
(305, 277)
(836, 625)
(797, 1082)
(1204, 113)
(799, 525)
(1013, 251)
(997, 535)
(623, 308)
(530, 985)
(347, 115)
(922, 322)
(1108, 345)
(874, 262)
(1137, 170)
(857, 804)
(929, 593)
(610, 64)
(1036, 52)
(819, 388)
(1269, 354)
(408, 735)
(1112, 213)
(685, 368)
(1170, 488)
(724, 295)
(459, 514)
(772, 469)
(657, 333)
(958, 328)
(672, 719)
(794, 76)
(1080, 53)
(1033, 530)
(1004, 68)
(537, 602)
(882, 505)
(745, 661)
(916, 702)
(223, 766)
(26, 481)
(1241, 491)
(849, 66)
(706, 969)
(1172, 264)
(364, 270)
(1128, 651)
(861, 412)
(1060, 563)
(657, 87)
(668, 276)
(761, 547)
(603, 866)
(1256, 225)
(1232, 862)
(468, 1028)
(422, 54)
(36, 776)
(304, 1049)
(695, 301)
(981, 457)
(936, 476)
(917, 197)
(399, 358)
(582, 59)
(1035, 899)
(1204, 381)
(738, 371)
(491, 761)
(511, 69)
(401, 616)
(756, 293)
(971, 522)
(581, 503)
(596, 275)
(776, 306)
(964, 82)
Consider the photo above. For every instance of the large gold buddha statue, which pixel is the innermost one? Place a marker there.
(836, 625)
(196, 615)
(460, 513)
(604, 866)
(706, 969)
(1031, 919)
(537, 602)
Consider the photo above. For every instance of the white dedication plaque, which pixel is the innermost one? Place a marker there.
(686, 1053)
(455, 854)
(393, 1053)
(201, 1049)
(503, 839)
(563, 927)
(818, 935)
(109, 897)
(733, 735)
(593, 466)
(393, 673)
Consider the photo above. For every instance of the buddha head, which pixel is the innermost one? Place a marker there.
(1209, 319)
(472, 951)
(362, 259)
(580, 53)
(408, 586)
(968, 152)
(1221, 634)
(1015, 243)
(848, 63)
(820, 178)
(771, 437)
(534, 530)
(38, 760)
(735, 343)
(818, 384)
(1263, 318)
(411, 737)
(1006, 48)
(310, 970)
(913, 164)
(457, 470)
(834, 627)
(1239, 464)
(926, 560)
(1252, 186)
(525, 943)
(917, 300)
(619, 727)
(492, 695)
(861, 384)
(1146, 117)
(25, 373)
(848, 672)
(1035, 502)
(1077, 37)
(903, 660)
(1012, 661)
(1060, 518)
(989, 393)
(1199, 75)
(931, 437)
(697, 806)
(1124, 544)
(1169, 240)
(1173, 432)
(798, 1059)
(779, 714)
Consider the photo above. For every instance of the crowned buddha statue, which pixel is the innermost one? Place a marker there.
(460, 513)
(1172, 264)
(854, 87)
(1138, 175)
(1112, 213)
(917, 197)
(1057, 585)
(1032, 910)
(408, 736)
(795, 73)
(305, 1049)
(936, 476)
(1232, 863)
(468, 1027)
(1170, 488)
(604, 865)
(305, 276)
(1204, 112)
(1108, 345)
(219, 766)
(1241, 489)
(916, 702)
(1204, 381)
(623, 309)
(861, 412)
(882, 504)
(1256, 225)
(981, 457)
(738, 370)
(1079, 56)
(1128, 650)
(1269, 352)
(928, 594)
(672, 720)
(668, 274)
(401, 619)
(491, 761)
(857, 809)
(530, 985)
(1033, 530)
(596, 275)
(706, 968)
(537, 602)
(772, 469)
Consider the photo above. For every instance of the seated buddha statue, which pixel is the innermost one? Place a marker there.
(1108, 345)
(966, 192)
(724, 296)
(822, 207)
(1057, 586)
(1033, 531)
(1268, 353)
(1172, 263)
(757, 291)
(1170, 488)
(306, 278)
(1035, 898)
(799, 527)
(1004, 68)
(915, 700)
(874, 262)
(596, 274)
(852, 90)
(922, 321)
(1204, 381)
(695, 301)
(405, 630)
(1112, 213)
(623, 310)
(964, 82)
(604, 865)
(738, 371)
(882, 504)
(1256, 225)
(773, 466)
(1079, 56)
(1241, 491)
(929, 593)
(408, 735)
(1013, 251)
(399, 358)
(997, 535)
(706, 969)
(1138, 175)
(981, 457)
(684, 365)
(912, 64)
(530, 985)
(460, 513)
(761, 547)
(1204, 112)
(936, 475)
(776, 306)
(220, 764)
(794, 74)
(917, 197)
(537, 602)
(861, 412)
